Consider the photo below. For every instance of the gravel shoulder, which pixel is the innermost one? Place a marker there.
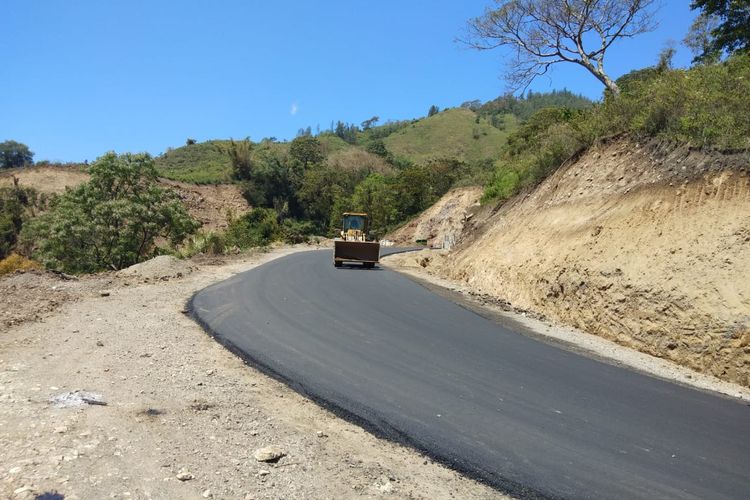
(184, 418)
(533, 324)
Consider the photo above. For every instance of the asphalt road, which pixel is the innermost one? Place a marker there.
(528, 417)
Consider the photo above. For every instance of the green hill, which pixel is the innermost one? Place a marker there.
(201, 163)
(454, 133)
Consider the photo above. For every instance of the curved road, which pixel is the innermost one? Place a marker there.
(528, 417)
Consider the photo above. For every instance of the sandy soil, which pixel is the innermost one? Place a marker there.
(441, 224)
(184, 417)
(211, 205)
(647, 245)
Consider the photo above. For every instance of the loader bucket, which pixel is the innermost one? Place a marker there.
(367, 252)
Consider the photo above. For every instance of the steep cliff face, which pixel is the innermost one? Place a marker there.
(647, 244)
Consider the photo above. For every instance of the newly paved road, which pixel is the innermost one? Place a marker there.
(526, 416)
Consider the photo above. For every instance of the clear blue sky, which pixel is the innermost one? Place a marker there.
(80, 78)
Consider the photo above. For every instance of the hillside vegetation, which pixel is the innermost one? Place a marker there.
(706, 106)
(455, 133)
(200, 163)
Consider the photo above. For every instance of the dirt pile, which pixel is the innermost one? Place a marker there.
(162, 268)
(441, 224)
(644, 244)
(211, 205)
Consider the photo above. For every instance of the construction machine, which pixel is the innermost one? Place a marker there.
(354, 244)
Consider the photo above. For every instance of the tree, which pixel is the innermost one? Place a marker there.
(14, 154)
(375, 197)
(367, 124)
(307, 150)
(17, 205)
(241, 156)
(542, 33)
(722, 27)
(433, 111)
(190, 141)
(110, 222)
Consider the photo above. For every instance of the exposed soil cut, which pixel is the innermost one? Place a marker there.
(441, 225)
(644, 244)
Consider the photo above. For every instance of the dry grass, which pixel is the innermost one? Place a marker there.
(15, 262)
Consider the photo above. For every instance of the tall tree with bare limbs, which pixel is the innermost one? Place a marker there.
(542, 33)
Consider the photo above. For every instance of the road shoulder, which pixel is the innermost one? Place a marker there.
(184, 417)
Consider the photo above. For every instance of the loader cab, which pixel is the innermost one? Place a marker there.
(355, 222)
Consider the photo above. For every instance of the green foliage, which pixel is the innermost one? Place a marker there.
(209, 243)
(110, 222)
(14, 154)
(257, 228)
(346, 131)
(320, 188)
(306, 150)
(375, 196)
(433, 111)
(273, 181)
(547, 139)
(17, 205)
(449, 134)
(240, 155)
(706, 106)
(200, 163)
(723, 27)
(525, 106)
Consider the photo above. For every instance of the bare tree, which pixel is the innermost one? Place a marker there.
(546, 32)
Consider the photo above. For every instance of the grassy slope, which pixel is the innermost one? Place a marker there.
(450, 134)
(203, 163)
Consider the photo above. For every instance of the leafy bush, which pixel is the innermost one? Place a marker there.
(550, 137)
(705, 105)
(257, 228)
(209, 243)
(17, 205)
(110, 222)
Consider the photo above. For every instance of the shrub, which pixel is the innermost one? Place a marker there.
(15, 262)
(110, 222)
(257, 228)
(17, 205)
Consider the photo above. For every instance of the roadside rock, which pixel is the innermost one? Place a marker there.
(184, 476)
(269, 453)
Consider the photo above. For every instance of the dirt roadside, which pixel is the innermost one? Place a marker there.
(184, 417)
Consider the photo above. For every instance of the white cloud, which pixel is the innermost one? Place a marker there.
(293, 110)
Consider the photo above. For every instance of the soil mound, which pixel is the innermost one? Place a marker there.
(163, 267)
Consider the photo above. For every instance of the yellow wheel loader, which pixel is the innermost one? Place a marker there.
(353, 246)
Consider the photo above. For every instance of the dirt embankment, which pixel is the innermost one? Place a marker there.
(184, 418)
(441, 224)
(211, 205)
(644, 244)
